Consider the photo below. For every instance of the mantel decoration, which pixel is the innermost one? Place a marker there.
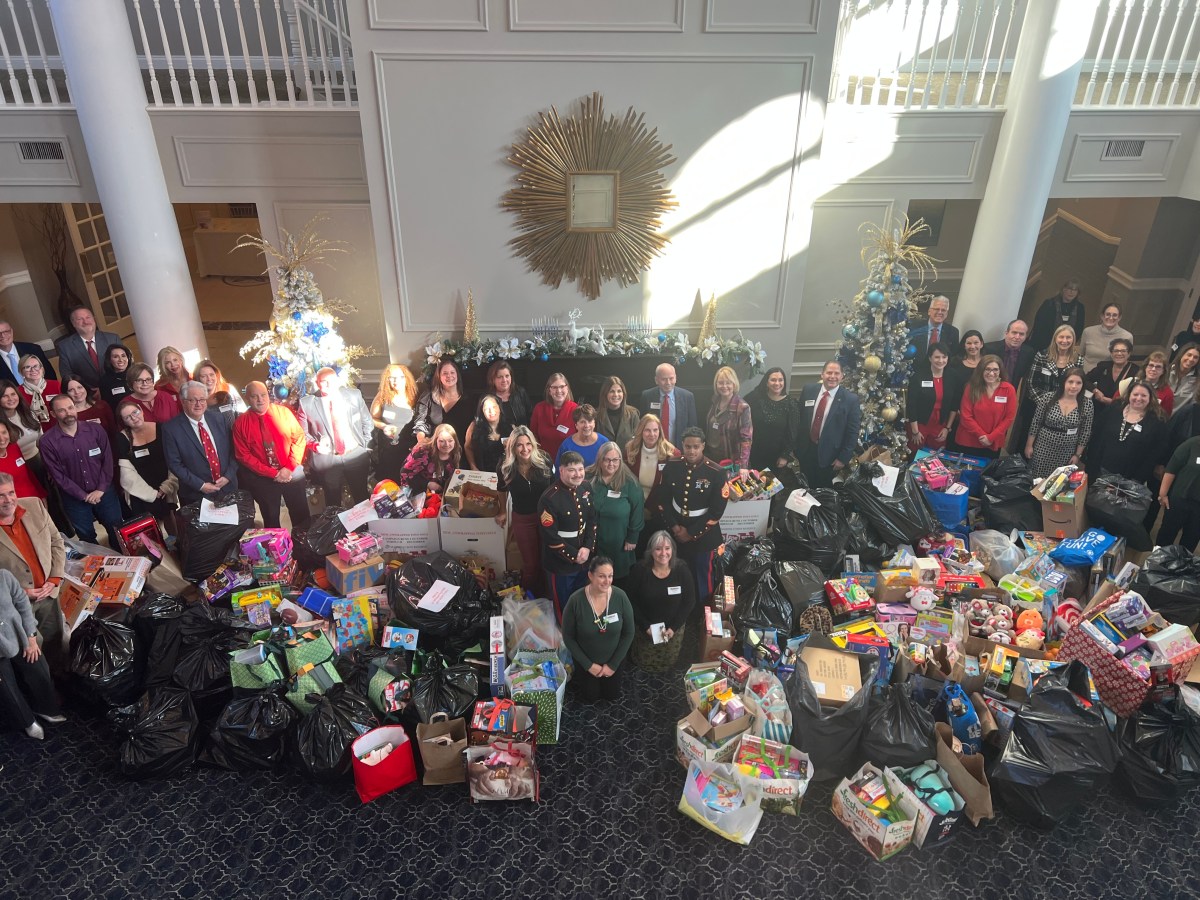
(589, 198)
(638, 337)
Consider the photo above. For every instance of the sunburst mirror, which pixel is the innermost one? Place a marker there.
(589, 197)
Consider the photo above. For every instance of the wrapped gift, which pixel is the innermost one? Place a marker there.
(267, 545)
(357, 548)
(310, 659)
(352, 623)
(316, 601)
(539, 679)
(494, 716)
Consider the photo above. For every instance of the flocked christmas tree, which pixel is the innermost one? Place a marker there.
(875, 354)
(302, 337)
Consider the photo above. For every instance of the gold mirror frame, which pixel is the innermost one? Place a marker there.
(553, 154)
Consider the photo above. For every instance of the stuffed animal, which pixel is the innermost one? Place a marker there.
(1029, 618)
(922, 599)
(1000, 637)
(999, 622)
(1031, 639)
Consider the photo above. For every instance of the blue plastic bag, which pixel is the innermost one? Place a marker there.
(1085, 550)
(956, 706)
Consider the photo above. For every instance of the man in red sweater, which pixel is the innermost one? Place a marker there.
(269, 444)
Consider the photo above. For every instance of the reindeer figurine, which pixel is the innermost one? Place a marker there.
(578, 335)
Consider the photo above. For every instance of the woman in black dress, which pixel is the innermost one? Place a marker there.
(774, 416)
(443, 402)
(931, 402)
(1130, 442)
(525, 473)
(662, 592)
(113, 389)
(392, 413)
(484, 443)
(149, 486)
(515, 405)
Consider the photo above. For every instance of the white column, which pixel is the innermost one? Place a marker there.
(1045, 76)
(110, 100)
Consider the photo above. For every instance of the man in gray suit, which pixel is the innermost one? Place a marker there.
(82, 354)
(674, 406)
(339, 434)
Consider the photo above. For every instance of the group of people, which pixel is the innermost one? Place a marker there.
(1062, 393)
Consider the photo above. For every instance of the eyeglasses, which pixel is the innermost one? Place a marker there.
(196, 400)
(148, 379)
(991, 370)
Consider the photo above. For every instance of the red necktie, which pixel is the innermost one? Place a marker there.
(92, 353)
(339, 446)
(814, 433)
(935, 334)
(210, 452)
(666, 417)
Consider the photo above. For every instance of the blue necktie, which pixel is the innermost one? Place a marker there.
(12, 365)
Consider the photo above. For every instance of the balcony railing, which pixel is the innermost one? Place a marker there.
(252, 53)
(958, 54)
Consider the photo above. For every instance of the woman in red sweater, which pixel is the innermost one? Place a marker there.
(987, 411)
(552, 421)
(13, 463)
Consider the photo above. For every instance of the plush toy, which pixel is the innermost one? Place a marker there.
(1029, 618)
(922, 599)
(1000, 637)
(999, 622)
(1031, 639)
(1066, 615)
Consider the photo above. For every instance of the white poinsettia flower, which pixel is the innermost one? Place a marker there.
(757, 353)
(480, 355)
(510, 348)
(433, 353)
(711, 348)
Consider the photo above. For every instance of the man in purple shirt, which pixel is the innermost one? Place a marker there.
(80, 462)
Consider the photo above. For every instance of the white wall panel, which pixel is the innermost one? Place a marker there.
(1086, 161)
(588, 15)
(247, 161)
(764, 16)
(429, 15)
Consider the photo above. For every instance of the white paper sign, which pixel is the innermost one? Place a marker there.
(438, 596)
(656, 633)
(886, 483)
(358, 515)
(801, 501)
(211, 514)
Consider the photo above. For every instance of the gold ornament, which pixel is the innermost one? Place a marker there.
(470, 326)
(890, 413)
(709, 327)
(872, 364)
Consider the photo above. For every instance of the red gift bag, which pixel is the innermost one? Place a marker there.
(396, 770)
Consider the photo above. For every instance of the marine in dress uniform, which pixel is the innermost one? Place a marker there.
(568, 524)
(694, 495)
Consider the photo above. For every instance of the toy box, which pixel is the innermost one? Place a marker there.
(355, 549)
(878, 824)
(835, 675)
(267, 545)
(847, 597)
(316, 601)
(76, 600)
(718, 636)
(345, 578)
(930, 827)
(118, 580)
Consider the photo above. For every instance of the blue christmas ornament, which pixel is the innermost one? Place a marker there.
(896, 279)
(282, 392)
(544, 357)
(910, 352)
(662, 336)
(296, 316)
(875, 299)
(682, 360)
(849, 331)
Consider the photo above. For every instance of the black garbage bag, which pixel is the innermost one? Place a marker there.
(310, 547)
(819, 537)
(903, 518)
(830, 735)
(324, 736)
(1119, 506)
(203, 545)
(1007, 502)
(804, 586)
(461, 623)
(105, 664)
(358, 666)
(155, 620)
(1160, 753)
(443, 688)
(898, 731)
(751, 560)
(251, 733)
(1059, 753)
(1170, 581)
(207, 636)
(764, 605)
(160, 734)
(871, 549)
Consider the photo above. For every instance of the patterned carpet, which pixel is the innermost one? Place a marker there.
(607, 826)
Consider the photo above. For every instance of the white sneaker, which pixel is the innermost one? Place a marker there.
(35, 731)
(53, 720)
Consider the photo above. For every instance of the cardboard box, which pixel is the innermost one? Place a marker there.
(712, 645)
(481, 538)
(881, 839)
(696, 740)
(930, 827)
(835, 674)
(414, 537)
(118, 580)
(1064, 520)
(76, 600)
(746, 519)
(345, 578)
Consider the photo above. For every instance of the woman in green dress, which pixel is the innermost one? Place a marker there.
(619, 504)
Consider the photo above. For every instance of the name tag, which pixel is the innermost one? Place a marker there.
(118, 390)
(20, 461)
(661, 466)
(612, 618)
(674, 590)
(1087, 395)
(1072, 431)
(810, 402)
(228, 407)
(656, 406)
(1137, 426)
(389, 414)
(1001, 399)
(926, 384)
(95, 451)
(138, 454)
(614, 495)
(563, 429)
(1047, 372)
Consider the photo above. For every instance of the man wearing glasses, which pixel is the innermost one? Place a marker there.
(199, 448)
(11, 352)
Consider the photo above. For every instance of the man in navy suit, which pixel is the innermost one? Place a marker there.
(11, 352)
(830, 417)
(82, 354)
(675, 406)
(199, 447)
(935, 329)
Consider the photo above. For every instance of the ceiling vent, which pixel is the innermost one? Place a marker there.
(243, 211)
(1123, 149)
(42, 151)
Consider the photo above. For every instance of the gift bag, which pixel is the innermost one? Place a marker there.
(310, 660)
(256, 667)
(1085, 550)
(393, 771)
(495, 720)
(504, 771)
(766, 701)
(442, 743)
(547, 691)
(714, 796)
(999, 555)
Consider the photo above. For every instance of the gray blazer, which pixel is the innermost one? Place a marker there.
(317, 425)
(17, 624)
(73, 357)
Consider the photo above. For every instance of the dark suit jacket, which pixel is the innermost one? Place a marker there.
(1024, 358)
(24, 348)
(317, 425)
(683, 409)
(919, 338)
(843, 419)
(185, 456)
(919, 400)
(73, 357)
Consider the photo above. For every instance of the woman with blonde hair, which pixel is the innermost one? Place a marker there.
(648, 451)
(1046, 375)
(429, 466)
(392, 415)
(37, 389)
(525, 473)
(172, 372)
(221, 394)
(620, 506)
(730, 431)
